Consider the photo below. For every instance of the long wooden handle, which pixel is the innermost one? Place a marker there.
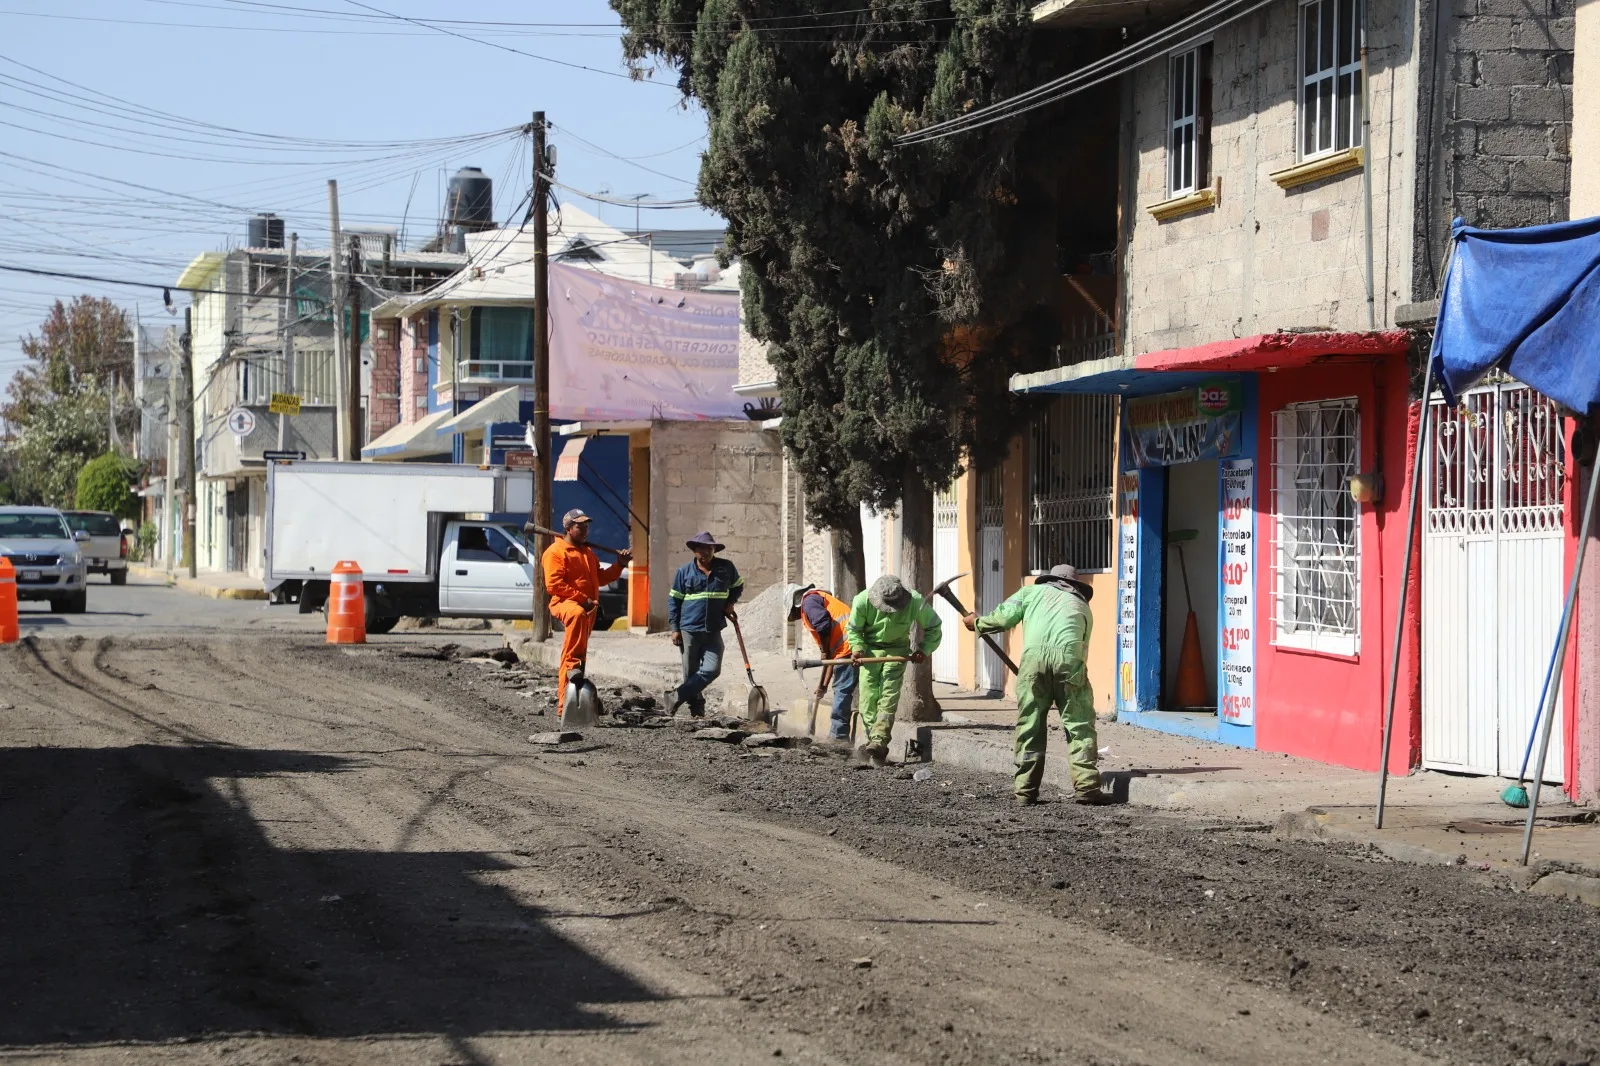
(807, 664)
(552, 533)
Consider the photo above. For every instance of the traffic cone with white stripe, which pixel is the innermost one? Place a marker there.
(347, 605)
(10, 630)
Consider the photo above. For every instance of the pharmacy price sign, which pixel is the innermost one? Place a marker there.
(1238, 535)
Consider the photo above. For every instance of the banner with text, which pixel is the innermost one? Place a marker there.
(623, 351)
(1127, 590)
(1187, 426)
(1238, 697)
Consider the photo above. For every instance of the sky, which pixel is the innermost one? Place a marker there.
(136, 134)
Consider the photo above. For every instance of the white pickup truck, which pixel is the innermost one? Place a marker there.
(106, 551)
(432, 539)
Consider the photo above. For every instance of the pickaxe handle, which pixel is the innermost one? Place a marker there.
(994, 646)
(807, 664)
(542, 531)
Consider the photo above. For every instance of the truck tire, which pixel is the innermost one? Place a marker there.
(77, 603)
(119, 577)
(313, 596)
(379, 625)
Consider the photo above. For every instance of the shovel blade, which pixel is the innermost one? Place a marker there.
(582, 708)
(756, 707)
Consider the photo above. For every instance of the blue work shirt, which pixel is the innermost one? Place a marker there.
(698, 599)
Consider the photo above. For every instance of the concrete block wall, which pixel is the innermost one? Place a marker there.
(1267, 258)
(1497, 85)
(723, 476)
(383, 405)
(413, 383)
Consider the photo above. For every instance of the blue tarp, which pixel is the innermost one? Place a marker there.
(1526, 301)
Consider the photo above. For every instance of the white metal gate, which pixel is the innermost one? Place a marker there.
(990, 579)
(946, 552)
(1492, 567)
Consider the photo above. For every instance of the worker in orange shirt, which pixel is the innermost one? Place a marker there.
(573, 577)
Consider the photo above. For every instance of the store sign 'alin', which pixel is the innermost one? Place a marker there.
(1187, 426)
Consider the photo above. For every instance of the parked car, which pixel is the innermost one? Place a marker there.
(107, 549)
(47, 556)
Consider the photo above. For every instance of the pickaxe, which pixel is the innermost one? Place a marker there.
(943, 589)
(530, 528)
(807, 664)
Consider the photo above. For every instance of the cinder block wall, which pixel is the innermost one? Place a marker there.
(413, 352)
(1266, 258)
(721, 476)
(1494, 119)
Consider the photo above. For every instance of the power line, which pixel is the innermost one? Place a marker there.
(152, 285)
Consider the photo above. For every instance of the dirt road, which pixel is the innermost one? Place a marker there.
(259, 849)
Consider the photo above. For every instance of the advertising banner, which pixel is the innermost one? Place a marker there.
(1187, 426)
(1237, 702)
(1127, 589)
(622, 351)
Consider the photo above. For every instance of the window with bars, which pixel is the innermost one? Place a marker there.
(1316, 600)
(1330, 76)
(1071, 484)
(1189, 121)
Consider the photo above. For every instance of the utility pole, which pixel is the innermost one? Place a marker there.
(170, 501)
(336, 296)
(352, 402)
(541, 367)
(186, 436)
(288, 330)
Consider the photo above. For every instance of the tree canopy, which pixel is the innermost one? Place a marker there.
(106, 484)
(897, 287)
(59, 406)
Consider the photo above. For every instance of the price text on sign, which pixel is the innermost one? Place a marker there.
(1127, 589)
(1238, 533)
(284, 403)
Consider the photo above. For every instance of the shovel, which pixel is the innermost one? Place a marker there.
(816, 700)
(580, 706)
(755, 700)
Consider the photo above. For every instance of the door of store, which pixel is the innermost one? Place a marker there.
(1191, 544)
(946, 550)
(1493, 560)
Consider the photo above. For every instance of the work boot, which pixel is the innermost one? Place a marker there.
(878, 755)
(673, 701)
(1092, 798)
(1019, 800)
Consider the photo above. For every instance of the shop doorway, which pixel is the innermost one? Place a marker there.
(1191, 539)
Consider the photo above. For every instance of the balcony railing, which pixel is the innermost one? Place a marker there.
(482, 370)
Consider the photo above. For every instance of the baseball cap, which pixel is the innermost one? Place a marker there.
(574, 515)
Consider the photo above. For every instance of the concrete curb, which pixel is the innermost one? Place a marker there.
(194, 586)
(149, 573)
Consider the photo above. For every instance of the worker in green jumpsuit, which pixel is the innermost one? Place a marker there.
(880, 624)
(1055, 646)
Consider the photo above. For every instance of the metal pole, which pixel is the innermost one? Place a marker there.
(1424, 438)
(1366, 173)
(1548, 711)
(542, 485)
(288, 329)
(336, 299)
(186, 438)
(352, 383)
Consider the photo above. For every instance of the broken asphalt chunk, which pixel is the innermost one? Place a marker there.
(565, 736)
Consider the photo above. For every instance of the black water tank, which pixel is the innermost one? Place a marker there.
(470, 202)
(266, 231)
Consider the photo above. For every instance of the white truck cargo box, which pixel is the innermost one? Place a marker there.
(377, 514)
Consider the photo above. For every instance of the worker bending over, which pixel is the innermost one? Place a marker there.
(880, 625)
(1055, 648)
(824, 615)
(573, 577)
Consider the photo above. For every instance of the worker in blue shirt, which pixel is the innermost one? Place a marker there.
(704, 591)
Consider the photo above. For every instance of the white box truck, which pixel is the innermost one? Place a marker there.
(432, 539)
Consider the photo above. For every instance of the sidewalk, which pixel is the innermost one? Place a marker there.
(229, 586)
(1430, 817)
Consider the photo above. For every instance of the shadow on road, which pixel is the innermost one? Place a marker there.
(142, 901)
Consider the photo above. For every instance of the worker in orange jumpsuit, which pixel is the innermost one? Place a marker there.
(573, 577)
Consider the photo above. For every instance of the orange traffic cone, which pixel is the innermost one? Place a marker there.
(347, 605)
(1191, 670)
(10, 630)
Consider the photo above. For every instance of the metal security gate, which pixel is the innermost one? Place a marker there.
(991, 578)
(946, 552)
(1492, 566)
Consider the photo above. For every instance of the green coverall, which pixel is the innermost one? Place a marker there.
(1055, 643)
(872, 633)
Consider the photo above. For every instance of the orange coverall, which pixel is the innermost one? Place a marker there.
(572, 576)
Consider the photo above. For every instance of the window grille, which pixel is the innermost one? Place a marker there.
(1317, 559)
(946, 515)
(1330, 76)
(1071, 493)
(991, 498)
(1183, 94)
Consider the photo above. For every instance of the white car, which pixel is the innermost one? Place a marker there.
(47, 557)
(107, 550)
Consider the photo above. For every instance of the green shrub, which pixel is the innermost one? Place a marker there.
(106, 484)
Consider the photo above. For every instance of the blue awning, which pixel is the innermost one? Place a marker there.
(1526, 301)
